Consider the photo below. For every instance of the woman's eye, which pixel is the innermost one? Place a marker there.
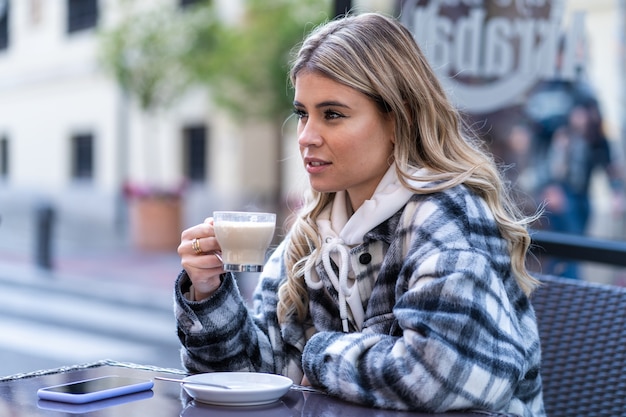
(300, 114)
(330, 114)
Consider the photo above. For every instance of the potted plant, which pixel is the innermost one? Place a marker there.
(143, 53)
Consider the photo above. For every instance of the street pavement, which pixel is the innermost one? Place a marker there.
(49, 322)
(99, 299)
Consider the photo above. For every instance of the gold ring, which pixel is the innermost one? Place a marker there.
(195, 244)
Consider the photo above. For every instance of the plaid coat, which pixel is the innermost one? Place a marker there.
(446, 326)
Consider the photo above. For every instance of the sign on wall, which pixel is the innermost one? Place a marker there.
(490, 53)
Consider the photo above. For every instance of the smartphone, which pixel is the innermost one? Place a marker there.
(81, 392)
(92, 406)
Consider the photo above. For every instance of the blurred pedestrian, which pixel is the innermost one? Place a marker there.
(401, 283)
(576, 150)
(520, 161)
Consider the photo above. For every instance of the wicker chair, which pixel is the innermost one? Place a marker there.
(583, 336)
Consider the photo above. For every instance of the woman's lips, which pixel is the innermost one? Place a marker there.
(315, 166)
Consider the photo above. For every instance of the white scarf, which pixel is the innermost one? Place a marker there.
(340, 231)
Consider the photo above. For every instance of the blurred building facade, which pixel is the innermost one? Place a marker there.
(70, 136)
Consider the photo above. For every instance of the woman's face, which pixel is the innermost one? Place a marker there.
(344, 140)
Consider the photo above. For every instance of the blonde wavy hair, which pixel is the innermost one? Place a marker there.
(377, 56)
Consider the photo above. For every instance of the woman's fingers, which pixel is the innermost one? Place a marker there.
(204, 271)
(204, 261)
(198, 239)
(202, 245)
(200, 257)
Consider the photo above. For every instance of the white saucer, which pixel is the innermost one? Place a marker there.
(246, 388)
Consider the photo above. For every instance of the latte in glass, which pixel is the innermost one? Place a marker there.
(244, 238)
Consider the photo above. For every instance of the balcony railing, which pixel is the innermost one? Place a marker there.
(579, 248)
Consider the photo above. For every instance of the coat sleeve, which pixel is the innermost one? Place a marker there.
(222, 334)
(467, 335)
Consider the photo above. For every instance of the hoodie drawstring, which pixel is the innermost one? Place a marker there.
(340, 283)
(335, 245)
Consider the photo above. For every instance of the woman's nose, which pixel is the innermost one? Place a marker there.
(308, 135)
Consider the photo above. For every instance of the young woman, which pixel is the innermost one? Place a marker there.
(402, 282)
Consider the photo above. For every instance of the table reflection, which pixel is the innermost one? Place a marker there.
(197, 409)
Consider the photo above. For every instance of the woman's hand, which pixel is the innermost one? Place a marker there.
(200, 257)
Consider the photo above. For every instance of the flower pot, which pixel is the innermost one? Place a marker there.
(155, 222)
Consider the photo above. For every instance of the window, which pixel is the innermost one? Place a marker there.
(81, 14)
(82, 156)
(194, 142)
(4, 24)
(4, 157)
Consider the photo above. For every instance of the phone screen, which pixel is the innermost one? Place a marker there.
(93, 385)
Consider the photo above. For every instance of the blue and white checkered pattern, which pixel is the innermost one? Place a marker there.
(446, 326)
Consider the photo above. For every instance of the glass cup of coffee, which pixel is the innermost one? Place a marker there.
(244, 238)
